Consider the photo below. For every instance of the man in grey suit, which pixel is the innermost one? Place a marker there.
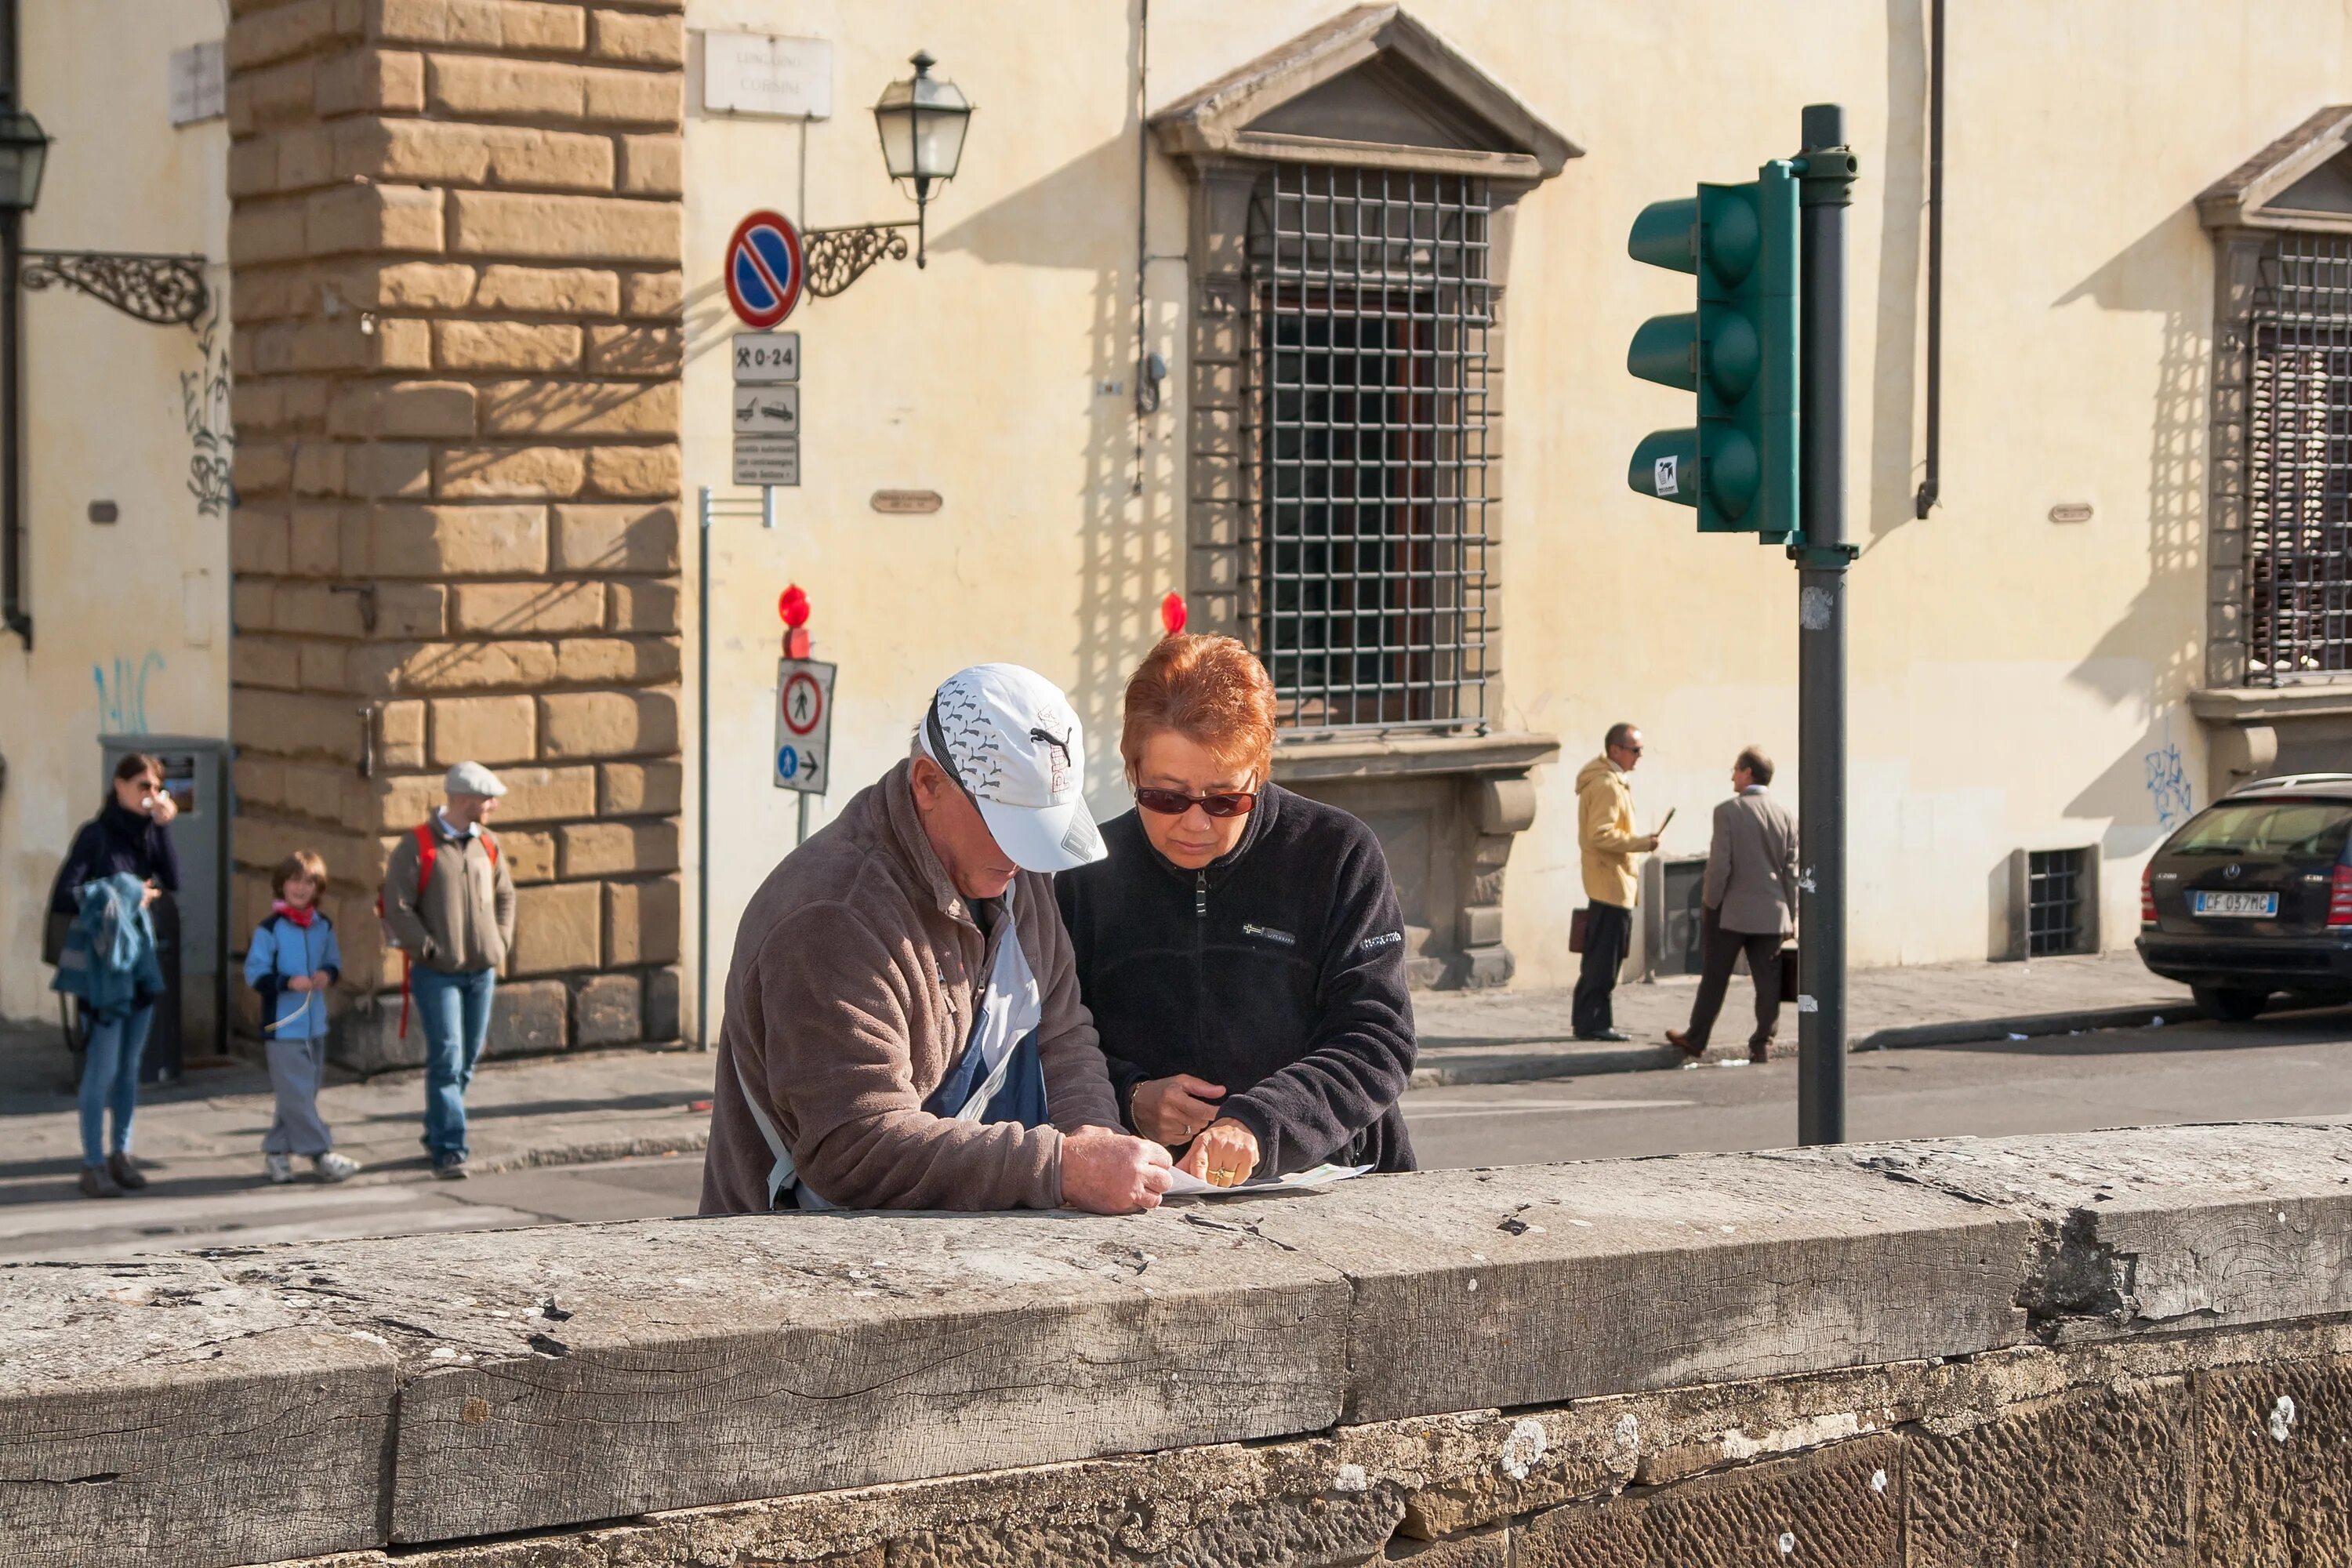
(1750, 900)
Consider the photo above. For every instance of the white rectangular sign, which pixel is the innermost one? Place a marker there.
(199, 86)
(804, 725)
(767, 411)
(767, 359)
(766, 459)
(751, 73)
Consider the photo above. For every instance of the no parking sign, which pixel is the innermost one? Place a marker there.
(804, 725)
(764, 269)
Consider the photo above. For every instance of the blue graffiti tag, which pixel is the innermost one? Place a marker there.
(2168, 786)
(122, 703)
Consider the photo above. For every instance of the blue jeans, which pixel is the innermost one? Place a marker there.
(455, 1010)
(110, 1079)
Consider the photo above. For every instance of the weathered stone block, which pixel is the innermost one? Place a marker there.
(489, 87)
(642, 606)
(490, 730)
(641, 922)
(407, 669)
(554, 290)
(264, 467)
(639, 789)
(653, 293)
(656, 98)
(648, 472)
(652, 167)
(557, 928)
(623, 349)
(410, 408)
(276, 95)
(547, 794)
(513, 607)
(406, 284)
(617, 848)
(258, 539)
(315, 539)
(367, 81)
(387, 470)
(616, 539)
(529, 854)
(281, 32)
(607, 1010)
(286, 725)
(616, 661)
(527, 1018)
(663, 990)
(563, 228)
(266, 661)
(457, 541)
(2275, 1446)
(318, 468)
(608, 724)
(513, 25)
(372, 218)
(317, 609)
(400, 734)
(486, 472)
(506, 345)
(630, 37)
(578, 408)
(323, 666)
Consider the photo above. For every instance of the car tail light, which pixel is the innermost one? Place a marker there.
(2148, 893)
(2339, 898)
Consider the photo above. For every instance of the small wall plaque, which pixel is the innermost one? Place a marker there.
(104, 511)
(907, 501)
(2071, 511)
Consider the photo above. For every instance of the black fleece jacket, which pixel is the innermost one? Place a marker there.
(1278, 970)
(115, 841)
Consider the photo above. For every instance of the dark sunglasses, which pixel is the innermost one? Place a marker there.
(1173, 803)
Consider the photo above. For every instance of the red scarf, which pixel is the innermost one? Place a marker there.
(301, 917)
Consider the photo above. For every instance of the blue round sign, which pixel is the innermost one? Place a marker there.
(764, 269)
(788, 762)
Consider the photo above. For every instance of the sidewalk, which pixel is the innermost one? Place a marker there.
(206, 1128)
(1511, 1036)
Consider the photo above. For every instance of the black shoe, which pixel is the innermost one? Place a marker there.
(97, 1183)
(125, 1172)
(1618, 1034)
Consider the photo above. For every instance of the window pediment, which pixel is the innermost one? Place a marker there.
(1375, 87)
(2303, 180)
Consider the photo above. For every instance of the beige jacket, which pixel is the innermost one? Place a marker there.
(465, 919)
(1751, 866)
(1604, 831)
(850, 996)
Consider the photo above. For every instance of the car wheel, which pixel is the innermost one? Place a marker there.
(2228, 1004)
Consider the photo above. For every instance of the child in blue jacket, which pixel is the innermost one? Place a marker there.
(292, 962)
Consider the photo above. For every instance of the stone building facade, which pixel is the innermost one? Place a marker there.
(456, 252)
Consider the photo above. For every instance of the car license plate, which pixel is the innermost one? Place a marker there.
(2244, 906)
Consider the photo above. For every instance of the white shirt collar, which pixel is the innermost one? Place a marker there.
(1753, 789)
(473, 829)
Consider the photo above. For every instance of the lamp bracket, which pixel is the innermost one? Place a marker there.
(837, 257)
(167, 290)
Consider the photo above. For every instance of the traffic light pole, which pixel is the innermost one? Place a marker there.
(1824, 188)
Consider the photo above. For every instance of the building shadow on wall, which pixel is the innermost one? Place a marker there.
(1903, 185)
(2152, 656)
(1129, 501)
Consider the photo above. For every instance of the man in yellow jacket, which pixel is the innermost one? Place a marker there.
(1604, 830)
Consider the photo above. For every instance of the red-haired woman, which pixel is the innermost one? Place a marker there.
(1241, 949)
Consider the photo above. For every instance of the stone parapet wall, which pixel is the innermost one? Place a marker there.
(2125, 1347)
(456, 252)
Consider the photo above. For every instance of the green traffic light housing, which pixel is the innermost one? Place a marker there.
(1738, 467)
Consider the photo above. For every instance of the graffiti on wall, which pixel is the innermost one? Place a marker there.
(123, 694)
(2167, 785)
(203, 406)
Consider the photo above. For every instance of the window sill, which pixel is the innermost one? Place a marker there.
(1298, 758)
(2268, 704)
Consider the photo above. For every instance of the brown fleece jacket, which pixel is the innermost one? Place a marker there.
(849, 997)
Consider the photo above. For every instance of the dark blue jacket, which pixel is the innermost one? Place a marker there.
(1278, 970)
(116, 842)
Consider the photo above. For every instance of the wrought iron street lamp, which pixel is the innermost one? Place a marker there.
(167, 290)
(921, 121)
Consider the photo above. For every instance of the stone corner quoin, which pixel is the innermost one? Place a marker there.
(456, 251)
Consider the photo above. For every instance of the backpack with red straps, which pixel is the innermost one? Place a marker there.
(427, 850)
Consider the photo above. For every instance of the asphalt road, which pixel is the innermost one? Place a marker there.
(2299, 1065)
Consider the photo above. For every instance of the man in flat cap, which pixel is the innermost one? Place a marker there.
(903, 1026)
(449, 905)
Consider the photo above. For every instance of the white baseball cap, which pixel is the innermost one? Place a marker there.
(1011, 740)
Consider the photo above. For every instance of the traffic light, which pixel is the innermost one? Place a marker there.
(1738, 352)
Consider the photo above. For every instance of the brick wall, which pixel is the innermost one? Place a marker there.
(455, 253)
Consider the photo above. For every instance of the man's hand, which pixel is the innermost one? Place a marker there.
(1655, 839)
(299, 983)
(149, 892)
(321, 980)
(1224, 1155)
(1175, 1110)
(1105, 1172)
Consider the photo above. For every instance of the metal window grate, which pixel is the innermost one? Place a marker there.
(2299, 462)
(1366, 563)
(2056, 882)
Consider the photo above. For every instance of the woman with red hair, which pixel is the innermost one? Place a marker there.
(1241, 949)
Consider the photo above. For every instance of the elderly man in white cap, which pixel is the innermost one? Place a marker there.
(903, 1024)
(449, 905)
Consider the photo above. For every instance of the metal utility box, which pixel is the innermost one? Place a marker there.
(1676, 932)
(195, 964)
